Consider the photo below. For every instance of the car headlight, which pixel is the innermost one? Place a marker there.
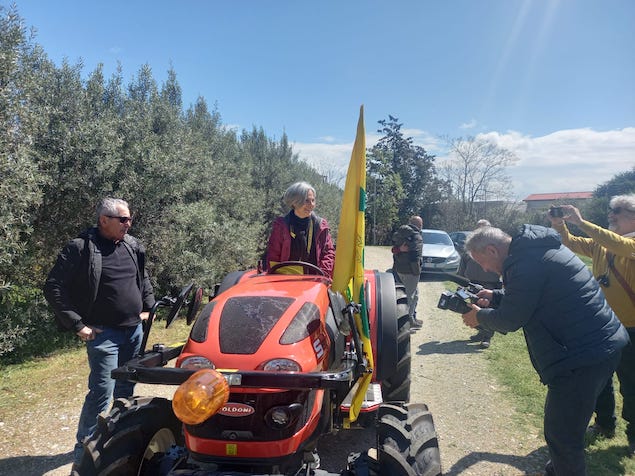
(454, 258)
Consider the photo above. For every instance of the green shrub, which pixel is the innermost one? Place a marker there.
(27, 327)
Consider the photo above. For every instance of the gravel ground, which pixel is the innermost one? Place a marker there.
(477, 435)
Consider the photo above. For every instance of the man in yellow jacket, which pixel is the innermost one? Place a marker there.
(613, 254)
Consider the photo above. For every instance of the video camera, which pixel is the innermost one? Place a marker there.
(458, 300)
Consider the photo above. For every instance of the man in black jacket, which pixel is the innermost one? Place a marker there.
(573, 337)
(407, 252)
(100, 290)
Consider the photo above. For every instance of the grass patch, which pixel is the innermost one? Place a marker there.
(510, 364)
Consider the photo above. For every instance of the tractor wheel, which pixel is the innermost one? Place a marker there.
(396, 387)
(407, 445)
(132, 438)
(407, 442)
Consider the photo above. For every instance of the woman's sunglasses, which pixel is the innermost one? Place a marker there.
(618, 210)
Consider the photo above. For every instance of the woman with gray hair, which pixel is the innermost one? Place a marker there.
(613, 254)
(301, 235)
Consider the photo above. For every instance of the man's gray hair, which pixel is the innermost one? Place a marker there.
(296, 194)
(483, 222)
(625, 201)
(484, 236)
(109, 206)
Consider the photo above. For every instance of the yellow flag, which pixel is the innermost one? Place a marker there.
(348, 270)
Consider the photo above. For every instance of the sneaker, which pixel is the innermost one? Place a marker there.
(484, 344)
(596, 430)
(416, 323)
(476, 337)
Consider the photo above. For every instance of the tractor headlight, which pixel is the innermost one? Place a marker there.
(200, 396)
(196, 362)
(281, 365)
(283, 416)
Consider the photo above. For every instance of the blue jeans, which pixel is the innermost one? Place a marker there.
(110, 349)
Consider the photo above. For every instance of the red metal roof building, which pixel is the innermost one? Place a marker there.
(542, 201)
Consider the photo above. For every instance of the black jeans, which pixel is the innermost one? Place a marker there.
(569, 405)
(605, 406)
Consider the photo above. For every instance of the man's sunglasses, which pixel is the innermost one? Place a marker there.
(121, 219)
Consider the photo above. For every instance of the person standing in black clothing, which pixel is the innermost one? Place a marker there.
(99, 289)
(407, 252)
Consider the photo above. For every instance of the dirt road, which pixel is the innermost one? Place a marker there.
(473, 419)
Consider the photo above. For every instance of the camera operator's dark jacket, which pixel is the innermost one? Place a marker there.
(72, 284)
(552, 295)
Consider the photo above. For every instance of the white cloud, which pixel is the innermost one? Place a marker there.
(573, 160)
(469, 125)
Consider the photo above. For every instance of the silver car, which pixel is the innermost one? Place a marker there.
(439, 254)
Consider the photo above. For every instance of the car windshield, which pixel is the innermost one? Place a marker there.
(436, 239)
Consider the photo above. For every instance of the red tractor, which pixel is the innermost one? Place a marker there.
(270, 366)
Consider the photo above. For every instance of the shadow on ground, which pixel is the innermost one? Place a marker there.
(451, 347)
(34, 465)
(530, 465)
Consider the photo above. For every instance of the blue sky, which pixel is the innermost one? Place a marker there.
(551, 80)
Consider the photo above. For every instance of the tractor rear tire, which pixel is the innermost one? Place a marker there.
(396, 387)
(134, 432)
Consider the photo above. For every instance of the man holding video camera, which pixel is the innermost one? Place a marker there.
(573, 337)
(613, 254)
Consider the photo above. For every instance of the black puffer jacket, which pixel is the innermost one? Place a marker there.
(552, 295)
(72, 284)
(408, 262)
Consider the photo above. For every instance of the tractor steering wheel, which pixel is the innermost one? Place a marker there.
(304, 264)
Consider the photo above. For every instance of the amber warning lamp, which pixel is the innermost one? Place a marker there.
(200, 396)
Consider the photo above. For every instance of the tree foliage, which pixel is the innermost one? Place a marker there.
(202, 196)
(403, 179)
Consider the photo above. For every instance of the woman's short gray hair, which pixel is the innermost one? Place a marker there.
(484, 236)
(296, 194)
(625, 201)
(109, 206)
